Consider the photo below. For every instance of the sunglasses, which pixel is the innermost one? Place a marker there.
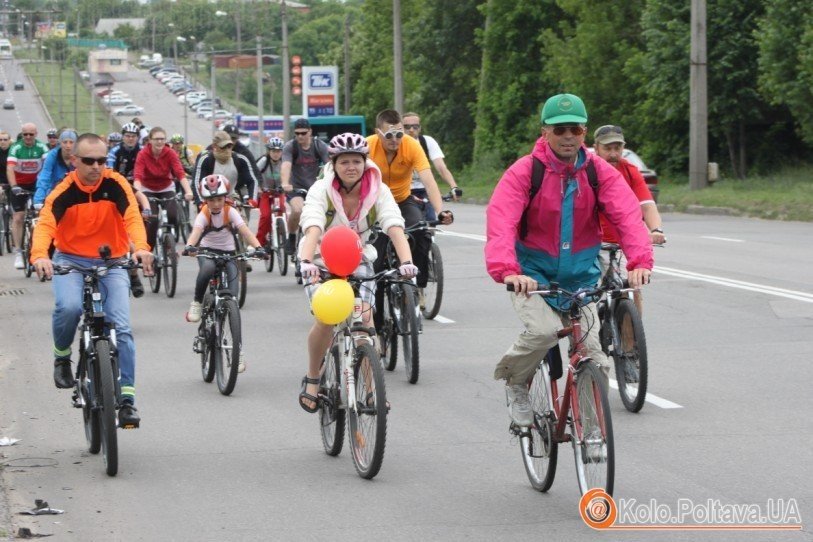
(27, 135)
(158, 139)
(604, 130)
(397, 134)
(224, 147)
(52, 137)
(412, 126)
(575, 130)
(89, 160)
(301, 133)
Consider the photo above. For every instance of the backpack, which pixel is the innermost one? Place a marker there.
(425, 147)
(537, 175)
(315, 142)
(208, 214)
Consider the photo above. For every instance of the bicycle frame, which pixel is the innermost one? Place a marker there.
(613, 286)
(346, 336)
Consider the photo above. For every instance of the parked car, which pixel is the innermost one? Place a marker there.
(218, 114)
(18, 85)
(203, 110)
(8, 103)
(116, 100)
(129, 111)
(649, 175)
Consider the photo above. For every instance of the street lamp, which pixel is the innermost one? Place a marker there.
(181, 39)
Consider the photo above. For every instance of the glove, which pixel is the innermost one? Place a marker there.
(443, 216)
(38, 206)
(16, 190)
(260, 253)
(146, 213)
(190, 250)
(408, 270)
(308, 270)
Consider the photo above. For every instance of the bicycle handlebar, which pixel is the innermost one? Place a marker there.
(554, 290)
(243, 256)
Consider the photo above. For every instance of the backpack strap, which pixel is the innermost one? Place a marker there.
(331, 214)
(537, 174)
(422, 141)
(592, 178)
(208, 214)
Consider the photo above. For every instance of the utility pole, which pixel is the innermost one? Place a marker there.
(239, 52)
(286, 75)
(397, 56)
(214, 93)
(260, 120)
(75, 102)
(698, 100)
(347, 64)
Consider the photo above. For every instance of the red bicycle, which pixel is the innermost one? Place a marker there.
(581, 415)
(277, 229)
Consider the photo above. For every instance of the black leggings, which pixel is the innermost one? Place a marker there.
(420, 243)
(172, 213)
(206, 270)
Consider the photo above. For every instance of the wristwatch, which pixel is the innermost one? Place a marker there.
(656, 230)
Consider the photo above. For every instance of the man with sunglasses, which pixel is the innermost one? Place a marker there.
(413, 128)
(398, 157)
(25, 159)
(220, 158)
(302, 159)
(93, 206)
(552, 234)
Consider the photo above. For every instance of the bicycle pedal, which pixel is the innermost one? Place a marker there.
(130, 426)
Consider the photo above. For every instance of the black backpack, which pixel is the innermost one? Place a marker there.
(537, 175)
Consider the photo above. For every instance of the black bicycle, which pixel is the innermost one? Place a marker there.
(622, 332)
(184, 216)
(29, 223)
(219, 337)
(5, 219)
(97, 390)
(166, 257)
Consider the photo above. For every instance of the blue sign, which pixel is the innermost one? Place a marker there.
(321, 80)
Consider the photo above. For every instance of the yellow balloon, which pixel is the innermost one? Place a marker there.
(333, 301)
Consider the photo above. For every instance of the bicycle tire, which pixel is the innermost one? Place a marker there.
(269, 262)
(388, 335)
(185, 226)
(593, 446)
(242, 283)
(2, 227)
(538, 445)
(228, 343)
(107, 392)
(433, 293)
(631, 364)
(208, 351)
(331, 414)
(26, 250)
(410, 334)
(282, 234)
(155, 278)
(367, 424)
(170, 269)
(7, 229)
(90, 417)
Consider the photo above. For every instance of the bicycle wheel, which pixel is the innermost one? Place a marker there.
(26, 249)
(170, 269)
(433, 293)
(282, 234)
(269, 262)
(538, 446)
(228, 343)
(90, 416)
(183, 217)
(388, 336)
(410, 333)
(7, 230)
(367, 423)
(207, 335)
(242, 283)
(106, 389)
(592, 430)
(155, 278)
(331, 413)
(631, 369)
(3, 226)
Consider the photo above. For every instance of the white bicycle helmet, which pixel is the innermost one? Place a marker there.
(114, 137)
(212, 186)
(130, 128)
(347, 143)
(275, 143)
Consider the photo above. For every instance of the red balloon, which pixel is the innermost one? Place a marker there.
(341, 250)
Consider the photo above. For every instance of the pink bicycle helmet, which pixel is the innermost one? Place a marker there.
(212, 186)
(347, 143)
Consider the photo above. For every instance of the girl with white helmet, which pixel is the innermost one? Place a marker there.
(269, 165)
(352, 194)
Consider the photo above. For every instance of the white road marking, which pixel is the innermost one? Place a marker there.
(722, 239)
(442, 320)
(742, 285)
(650, 398)
(463, 235)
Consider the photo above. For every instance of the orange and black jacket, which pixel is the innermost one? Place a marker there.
(80, 219)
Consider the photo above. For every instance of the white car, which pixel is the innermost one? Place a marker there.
(191, 97)
(218, 114)
(117, 100)
(204, 110)
(129, 111)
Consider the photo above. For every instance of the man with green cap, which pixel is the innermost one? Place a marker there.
(543, 227)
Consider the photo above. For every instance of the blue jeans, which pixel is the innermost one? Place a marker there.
(115, 290)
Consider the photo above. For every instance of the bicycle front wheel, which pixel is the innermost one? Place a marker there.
(367, 422)
(228, 343)
(331, 412)
(157, 270)
(170, 270)
(106, 389)
(388, 335)
(26, 249)
(242, 282)
(282, 236)
(592, 430)
(538, 445)
(410, 333)
(631, 369)
(433, 293)
(90, 416)
(3, 226)
(207, 337)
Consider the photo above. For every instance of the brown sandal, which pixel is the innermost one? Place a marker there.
(303, 394)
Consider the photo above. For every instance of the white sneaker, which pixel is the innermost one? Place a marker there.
(519, 405)
(241, 367)
(195, 309)
(18, 261)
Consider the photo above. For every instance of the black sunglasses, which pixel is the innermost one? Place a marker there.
(412, 126)
(604, 130)
(26, 134)
(575, 130)
(89, 160)
(301, 133)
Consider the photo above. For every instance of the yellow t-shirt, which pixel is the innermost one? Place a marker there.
(398, 174)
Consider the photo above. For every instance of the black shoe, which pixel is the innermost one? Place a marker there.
(136, 286)
(128, 416)
(289, 246)
(63, 376)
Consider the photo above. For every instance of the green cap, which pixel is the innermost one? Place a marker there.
(564, 109)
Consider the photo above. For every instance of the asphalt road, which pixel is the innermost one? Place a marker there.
(27, 106)
(251, 466)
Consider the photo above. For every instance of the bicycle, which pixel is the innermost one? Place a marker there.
(166, 258)
(29, 223)
(433, 293)
(184, 218)
(97, 390)
(278, 233)
(622, 332)
(352, 389)
(581, 415)
(219, 338)
(299, 234)
(5, 219)
(243, 267)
